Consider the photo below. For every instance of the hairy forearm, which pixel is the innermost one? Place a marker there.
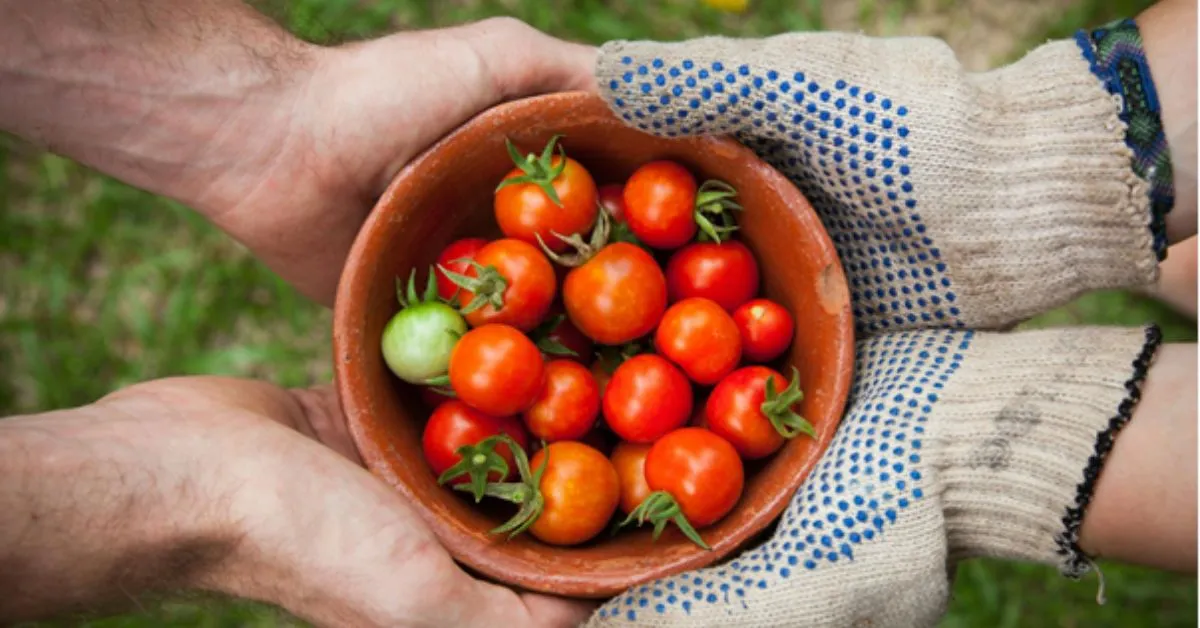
(88, 520)
(175, 97)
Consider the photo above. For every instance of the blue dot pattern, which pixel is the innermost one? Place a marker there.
(871, 475)
(845, 146)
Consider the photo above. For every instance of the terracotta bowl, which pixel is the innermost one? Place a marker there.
(446, 194)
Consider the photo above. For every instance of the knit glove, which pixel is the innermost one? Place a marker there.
(957, 444)
(955, 199)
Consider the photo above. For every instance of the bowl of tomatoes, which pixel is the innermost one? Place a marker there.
(591, 357)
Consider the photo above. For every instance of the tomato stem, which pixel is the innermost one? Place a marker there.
(488, 285)
(715, 198)
(478, 461)
(778, 408)
(526, 492)
(584, 251)
(660, 508)
(407, 295)
(539, 170)
(548, 345)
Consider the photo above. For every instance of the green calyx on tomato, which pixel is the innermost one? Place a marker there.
(543, 337)
(714, 199)
(418, 340)
(539, 170)
(584, 251)
(778, 408)
(488, 286)
(526, 492)
(610, 356)
(660, 509)
(478, 462)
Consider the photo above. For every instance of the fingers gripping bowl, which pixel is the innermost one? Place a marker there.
(447, 194)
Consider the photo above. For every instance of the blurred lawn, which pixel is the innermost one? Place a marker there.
(102, 285)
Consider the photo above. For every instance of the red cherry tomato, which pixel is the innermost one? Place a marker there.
(646, 397)
(630, 462)
(520, 275)
(735, 411)
(660, 204)
(616, 296)
(725, 273)
(455, 424)
(568, 404)
(700, 470)
(612, 198)
(699, 336)
(581, 492)
(524, 210)
(453, 259)
(766, 328)
(496, 369)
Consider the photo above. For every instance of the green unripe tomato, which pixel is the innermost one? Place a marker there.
(418, 340)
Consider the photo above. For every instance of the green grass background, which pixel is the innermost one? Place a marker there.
(102, 285)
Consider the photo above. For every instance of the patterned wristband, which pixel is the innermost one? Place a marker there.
(1117, 57)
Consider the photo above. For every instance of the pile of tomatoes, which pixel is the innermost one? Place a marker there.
(615, 334)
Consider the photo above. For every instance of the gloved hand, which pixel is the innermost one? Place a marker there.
(957, 201)
(956, 444)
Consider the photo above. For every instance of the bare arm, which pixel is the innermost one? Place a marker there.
(220, 484)
(178, 98)
(282, 144)
(90, 516)
(1169, 36)
(1144, 507)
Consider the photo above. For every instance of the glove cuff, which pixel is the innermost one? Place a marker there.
(1116, 56)
(1023, 437)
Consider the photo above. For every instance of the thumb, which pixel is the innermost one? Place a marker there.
(519, 60)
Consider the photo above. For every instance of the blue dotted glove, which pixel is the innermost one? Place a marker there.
(955, 200)
(956, 444)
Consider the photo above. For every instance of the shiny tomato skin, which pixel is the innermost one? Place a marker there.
(630, 461)
(700, 337)
(496, 369)
(734, 411)
(612, 199)
(465, 248)
(646, 397)
(767, 329)
(701, 470)
(581, 492)
(531, 285)
(454, 424)
(660, 204)
(568, 404)
(524, 212)
(616, 296)
(726, 273)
